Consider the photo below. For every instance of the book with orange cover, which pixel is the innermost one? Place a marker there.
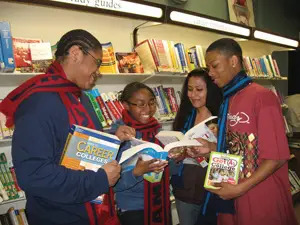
(89, 149)
(129, 62)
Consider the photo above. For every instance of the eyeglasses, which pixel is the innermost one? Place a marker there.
(97, 61)
(151, 104)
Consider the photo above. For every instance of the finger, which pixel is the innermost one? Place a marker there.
(215, 191)
(219, 185)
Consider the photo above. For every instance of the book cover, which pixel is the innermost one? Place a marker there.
(147, 56)
(22, 53)
(109, 62)
(222, 167)
(88, 149)
(129, 62)
(201, 130)
(41, 56)
(8, 63)
(145, 150)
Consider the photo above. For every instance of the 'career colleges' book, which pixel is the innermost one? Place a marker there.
(88, 149)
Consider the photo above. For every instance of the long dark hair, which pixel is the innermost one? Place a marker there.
(213, 98)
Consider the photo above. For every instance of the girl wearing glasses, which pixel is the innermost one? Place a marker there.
(200, 99)
(140, 105)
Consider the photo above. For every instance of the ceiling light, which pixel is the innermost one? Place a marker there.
(209, 23)
(275, 39)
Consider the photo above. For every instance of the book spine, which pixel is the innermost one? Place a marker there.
(162, 101)
(3, 192)
(23, 215)
(110, 106)
(7, 48)
(12, 216)
(19, 218)
(171, 99)
(97, 109)
(14, 177)
(182, 58)
(116, 102)
(103, 107)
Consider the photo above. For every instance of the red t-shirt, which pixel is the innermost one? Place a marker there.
(255, 130)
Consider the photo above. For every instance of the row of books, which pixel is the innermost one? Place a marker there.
(23, 54)
(264, 66)
(109, 109)
(9, 188)
(294, 181)
(167, 56)
(14, 217)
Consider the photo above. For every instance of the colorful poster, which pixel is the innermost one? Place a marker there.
(241, 11)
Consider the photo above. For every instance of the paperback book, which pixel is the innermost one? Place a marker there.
(129, 62)
(146, 151)
(88, 149)
(174, 139)
(222, 167)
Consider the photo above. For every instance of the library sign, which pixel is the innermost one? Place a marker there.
(118, 5)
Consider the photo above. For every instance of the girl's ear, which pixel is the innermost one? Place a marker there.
(126, 105)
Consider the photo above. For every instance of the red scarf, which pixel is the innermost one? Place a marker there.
(54, 81)
(156, 195)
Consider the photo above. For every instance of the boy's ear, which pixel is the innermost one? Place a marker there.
(234, 61)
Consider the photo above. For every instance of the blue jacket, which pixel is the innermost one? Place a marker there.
(55, 194)
(129, 189)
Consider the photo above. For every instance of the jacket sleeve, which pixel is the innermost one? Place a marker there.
(36, 149)
(128, 181)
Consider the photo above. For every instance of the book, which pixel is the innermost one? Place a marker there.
(222, 167)
(129, 62)
(147, 55)
(109, 62)
(7, 62)
(172, 139)
(88, 149)
(145, 150)
(22, 53)
(41, 56)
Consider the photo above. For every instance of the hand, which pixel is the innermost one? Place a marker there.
(125, 133)
(214, 128)
(153, 165)
(112, 170)
(228, 191)
(204, 150)
(177, 154)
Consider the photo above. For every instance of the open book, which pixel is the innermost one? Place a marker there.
(174, 139)
(174, 144)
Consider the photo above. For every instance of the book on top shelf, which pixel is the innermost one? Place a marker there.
(41, 56)
(88, 149)
(147, 55)
(129, 62)
(109, 62)
(22, 53)
(222, 167)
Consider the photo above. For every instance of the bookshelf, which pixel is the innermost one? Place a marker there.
(120, 34)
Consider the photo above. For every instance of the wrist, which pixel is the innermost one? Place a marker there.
(136, 172)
